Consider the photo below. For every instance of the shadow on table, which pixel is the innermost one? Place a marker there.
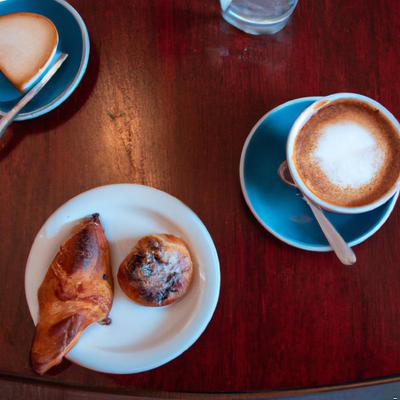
(57, 117)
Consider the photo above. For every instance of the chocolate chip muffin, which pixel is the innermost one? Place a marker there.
(157, 272)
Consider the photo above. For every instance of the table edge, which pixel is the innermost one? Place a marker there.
(143, 393)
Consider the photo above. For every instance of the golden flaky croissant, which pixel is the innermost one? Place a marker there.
(76, 292)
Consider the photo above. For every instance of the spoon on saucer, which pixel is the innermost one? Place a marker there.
(339, 246)
(9, 117)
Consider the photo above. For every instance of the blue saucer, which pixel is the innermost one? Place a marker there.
(73, 39)
(277, 206)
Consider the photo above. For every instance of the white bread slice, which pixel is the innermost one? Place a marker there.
(27, 44)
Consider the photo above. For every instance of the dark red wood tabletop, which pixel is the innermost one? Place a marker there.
(169, 97)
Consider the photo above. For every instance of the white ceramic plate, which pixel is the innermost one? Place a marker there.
(139, 338)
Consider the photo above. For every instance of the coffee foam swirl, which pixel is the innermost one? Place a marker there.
(348, 154)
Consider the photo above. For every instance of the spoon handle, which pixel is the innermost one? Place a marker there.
(9, 117)
(340, 247)
(4, 122)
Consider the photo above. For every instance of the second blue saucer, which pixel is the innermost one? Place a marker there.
(279, 207)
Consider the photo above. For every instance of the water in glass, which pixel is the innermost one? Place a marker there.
(258, 16)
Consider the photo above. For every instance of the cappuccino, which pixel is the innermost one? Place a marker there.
(348, 153)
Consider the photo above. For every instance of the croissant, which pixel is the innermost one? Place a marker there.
(76, 292)
(157, 272)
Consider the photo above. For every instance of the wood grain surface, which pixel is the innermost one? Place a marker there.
(169, 97)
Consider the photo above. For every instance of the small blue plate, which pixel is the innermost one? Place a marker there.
(278, 207)
(73, 39)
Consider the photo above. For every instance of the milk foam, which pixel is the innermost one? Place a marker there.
(348, 154)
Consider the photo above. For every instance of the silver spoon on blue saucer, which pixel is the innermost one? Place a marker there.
(339, 246)
(9, 117)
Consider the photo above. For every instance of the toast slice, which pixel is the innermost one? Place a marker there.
(28, 43)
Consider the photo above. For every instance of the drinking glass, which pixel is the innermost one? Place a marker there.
(258, 16)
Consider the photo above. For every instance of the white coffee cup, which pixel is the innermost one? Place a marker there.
(300, 123)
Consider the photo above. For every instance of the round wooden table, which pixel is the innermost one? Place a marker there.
(169, 97)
